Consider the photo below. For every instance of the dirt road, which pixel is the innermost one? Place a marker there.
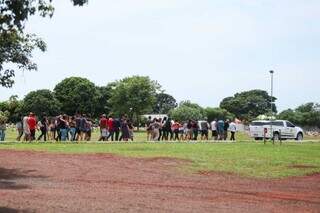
(44, 182)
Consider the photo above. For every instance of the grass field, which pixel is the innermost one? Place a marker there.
(243, 157)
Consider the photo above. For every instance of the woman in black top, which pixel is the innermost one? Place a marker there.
(43, 124)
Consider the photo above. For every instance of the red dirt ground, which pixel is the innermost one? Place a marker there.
(44, 182)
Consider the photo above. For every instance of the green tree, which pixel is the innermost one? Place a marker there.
(41, 101)
(187, 110)
(164, 103)
(103, 99)
(184, 113)
(218, 113)
(4, 116)
(305, 115)
(249, 104)
(16, 46)
(134, 96)
(12, 107)
(77, 95)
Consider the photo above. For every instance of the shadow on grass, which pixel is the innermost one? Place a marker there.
(8, 177)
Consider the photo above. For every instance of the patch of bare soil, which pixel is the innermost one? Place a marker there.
(299, 166)
(44, 182)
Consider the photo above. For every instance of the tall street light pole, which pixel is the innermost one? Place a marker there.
(271, 101)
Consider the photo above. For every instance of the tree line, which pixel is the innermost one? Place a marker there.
(138, 95)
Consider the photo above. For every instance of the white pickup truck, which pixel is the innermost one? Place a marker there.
(280, 128)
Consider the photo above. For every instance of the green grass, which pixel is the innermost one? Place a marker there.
(242, 158)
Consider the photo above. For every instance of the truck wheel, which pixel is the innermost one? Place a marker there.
(299, 137)
(276, 136)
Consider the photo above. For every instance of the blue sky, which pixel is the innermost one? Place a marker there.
(201, 50)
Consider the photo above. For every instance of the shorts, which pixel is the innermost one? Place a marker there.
(26, 131)
(204, 132)
(104, 132)
(32, 133)
(189, 131)
(214, 133)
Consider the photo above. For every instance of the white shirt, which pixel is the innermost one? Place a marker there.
(214, 126)
(233, 127)
(25, 125)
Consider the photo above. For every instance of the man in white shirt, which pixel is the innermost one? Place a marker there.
(214, 129)
(26, 129)
(233, 129)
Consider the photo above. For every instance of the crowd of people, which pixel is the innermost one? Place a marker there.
(167, 129)
(79, 128)
(72, 128)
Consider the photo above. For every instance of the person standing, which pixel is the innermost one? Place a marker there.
(166, 129)
(205, 130)
(63, 127)
(32, 123)
(156, 125)
(149, 128)
(88, 129)
(125, 135)
(131, 128)
(160, 129)
(19, 127)
(72, 128)
(233, 129)
(182, 131)
(225, 129)
(189, 130)
(57, 124)
(111, 128)
(52, 130)
(77, 136)
(220, 129)
(195, 130)
(176, 126)
(82, 127)
(3, 128)
(26, 129)
(116, 125)
(214, 129)
(43, 124)
(103, 123)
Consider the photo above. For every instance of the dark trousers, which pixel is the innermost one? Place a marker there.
(232, 138)
(58, 138)
(111, 135)
(20, 135)
(195, 134)
(33, 134)
(171, 134)
(215, 134)
(166, 133)
(176, 134)
(44, 134)
(117, 132)
(160, 134)
(225, 135)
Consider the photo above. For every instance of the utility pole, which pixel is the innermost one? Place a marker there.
(271, 108)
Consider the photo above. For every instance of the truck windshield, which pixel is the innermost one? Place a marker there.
(277, 123)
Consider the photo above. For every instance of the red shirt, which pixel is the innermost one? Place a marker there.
(32, 123)
(103, 123)
(176, 126)
(110, 123)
